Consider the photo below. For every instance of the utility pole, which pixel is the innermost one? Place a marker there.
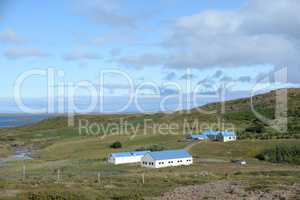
(99, 178)
(24, 172)
(143, 178)
(58, 176)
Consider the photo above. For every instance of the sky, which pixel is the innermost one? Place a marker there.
(163, 42)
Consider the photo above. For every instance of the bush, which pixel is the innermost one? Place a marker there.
(116, 145)
(155, 147)
(128, 197)
(281, 154)
(50, 195)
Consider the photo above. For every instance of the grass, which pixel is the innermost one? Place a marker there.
(244, 149)
(5, 150)
(80, 158)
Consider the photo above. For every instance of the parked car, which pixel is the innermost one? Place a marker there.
(240, 162)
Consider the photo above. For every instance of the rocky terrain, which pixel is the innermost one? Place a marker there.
(231, 190)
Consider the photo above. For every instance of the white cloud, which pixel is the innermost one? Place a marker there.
(170, 76)
(262, 32)
(75, 56)
(10, 37)
(244, 79)
(188, 76)
(115, 52)
(106, 12)
(139, 61)
(17, 53)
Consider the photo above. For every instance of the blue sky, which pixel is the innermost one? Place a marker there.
(150, 41)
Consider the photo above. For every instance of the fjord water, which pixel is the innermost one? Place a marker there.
(13, 120)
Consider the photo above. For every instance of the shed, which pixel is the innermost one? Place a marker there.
(224, 136)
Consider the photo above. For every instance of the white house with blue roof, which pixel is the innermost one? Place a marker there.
(126, 157)
(170, 158)
(227, 136)
(222, 136)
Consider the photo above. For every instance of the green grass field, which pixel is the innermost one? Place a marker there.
(80, 159)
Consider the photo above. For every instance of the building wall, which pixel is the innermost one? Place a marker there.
(230, 138)
(125, 160)
(149, 162)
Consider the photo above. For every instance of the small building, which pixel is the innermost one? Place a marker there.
(226, 136)
(198, 137)
(126, 157)
(221, 136)
(171, 158)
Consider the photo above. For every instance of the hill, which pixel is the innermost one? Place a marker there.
(237, 115)
(80, 156)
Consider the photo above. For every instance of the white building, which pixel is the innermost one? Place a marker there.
(160, 159)
(221, 136)
(227, 136)
(126, 157)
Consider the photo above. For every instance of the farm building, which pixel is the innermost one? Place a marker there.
(171, 158)
(126, 157)
(222, 136)
(198, 137)
(226, 136)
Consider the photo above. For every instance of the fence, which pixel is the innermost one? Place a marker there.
(59, 175)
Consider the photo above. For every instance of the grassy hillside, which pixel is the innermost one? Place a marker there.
(80, 158)
(238, 113)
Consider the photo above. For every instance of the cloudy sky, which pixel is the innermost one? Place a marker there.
(235, 42)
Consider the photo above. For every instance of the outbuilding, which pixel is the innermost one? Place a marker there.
(170, 158)
(221, 136)
(126, 157)
(226, 136)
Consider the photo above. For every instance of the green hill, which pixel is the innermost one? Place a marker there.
(238, 114)
(81, 156)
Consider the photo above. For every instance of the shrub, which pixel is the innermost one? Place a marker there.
(155, 147)
(281, 154)
(136, 196)
(116, 145)
(50, 195)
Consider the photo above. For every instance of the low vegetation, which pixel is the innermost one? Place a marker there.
(154, 147)
(52, 195)
(5, 150)
(116, 145)
(80, 157)
(281, 154)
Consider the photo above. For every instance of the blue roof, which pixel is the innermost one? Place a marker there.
(228, 133)
(210, 133)
(198, 136)
(171, 154)
(127, 154)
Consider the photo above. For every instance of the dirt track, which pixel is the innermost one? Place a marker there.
(230, 190)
